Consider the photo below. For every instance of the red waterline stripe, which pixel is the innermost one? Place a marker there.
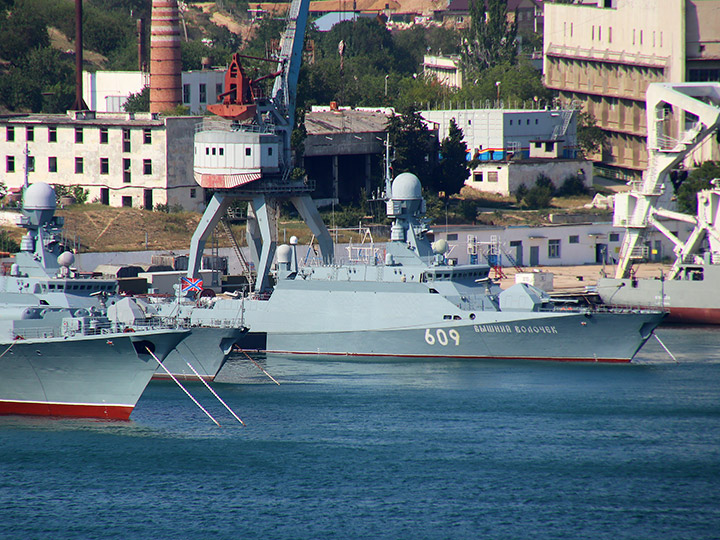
(463, 357)
(114, 412)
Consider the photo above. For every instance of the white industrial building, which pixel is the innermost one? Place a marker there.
(121, 159)
(551, 245)
(107, 91)
(515, 146)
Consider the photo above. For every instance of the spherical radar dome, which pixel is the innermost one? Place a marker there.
(39, 203)
(39, 196)
(406, 186)
(283, 254)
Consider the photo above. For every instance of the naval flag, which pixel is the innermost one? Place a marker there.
(191, 284)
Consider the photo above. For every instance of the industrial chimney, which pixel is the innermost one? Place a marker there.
(165, 62)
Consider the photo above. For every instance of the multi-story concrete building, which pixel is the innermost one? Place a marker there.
(604, 53)
(137, 160)
(515, 146)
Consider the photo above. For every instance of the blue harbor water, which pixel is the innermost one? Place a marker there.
(441, 449)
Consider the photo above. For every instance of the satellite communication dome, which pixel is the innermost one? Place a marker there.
(440, 246)
(66, 258)
(283, 254)
(39, 203)
(406, 186)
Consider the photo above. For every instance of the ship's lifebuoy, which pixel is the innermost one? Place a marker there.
(128, 330)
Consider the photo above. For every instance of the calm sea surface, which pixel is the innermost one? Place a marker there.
(441, 449)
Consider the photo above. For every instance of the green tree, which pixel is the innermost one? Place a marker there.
(538, 196)
(590, 136)
(414, 145)
(138, 102)
(490, 38)
(698, 179)
(21, 29)
(453, 167)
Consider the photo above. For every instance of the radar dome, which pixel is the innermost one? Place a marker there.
(406, 186)
(283, 254)
(440, 246)
(39, 203)
(66, 258)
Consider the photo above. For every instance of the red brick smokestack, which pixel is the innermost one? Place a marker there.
(165, 62)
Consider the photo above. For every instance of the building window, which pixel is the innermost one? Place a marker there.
(574, 239)
(207, 150)
(126, 171)
(478, 176)
(52, 134)
(640, 37)
(10, 133)
(269, 150)
(214, 150)
(492, 176)
(52, 164)
(104, 165)
(186, 93)
(127, 202)
(78, 135)
(511, 122)
(218, 89)
(553, 249)
(221, 151)
(147, 136)
(610, 34)
(614, 237)
(30, 133)
(103, 135)
(571, 29)
(31, 163)
(10, 163)
(147, 166)
(599, 33)
(203, 93)
(247, 151)
(126, 140)
(193, 192)
(592, 35)
(78, 165)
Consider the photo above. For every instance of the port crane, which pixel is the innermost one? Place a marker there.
(244, 153)
(648, 204)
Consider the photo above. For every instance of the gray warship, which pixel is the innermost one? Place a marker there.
(410, 302)
(70, 361)
(44, 268)
(689, 291)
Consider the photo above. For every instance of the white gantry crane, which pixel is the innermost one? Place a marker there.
(649, 200)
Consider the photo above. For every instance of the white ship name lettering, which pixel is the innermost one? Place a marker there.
(507, 329)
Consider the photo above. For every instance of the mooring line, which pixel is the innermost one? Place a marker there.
(259, 367)
(214, 393)
(666, 349)
(181, 386)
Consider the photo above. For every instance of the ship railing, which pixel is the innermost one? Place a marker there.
(92, 327)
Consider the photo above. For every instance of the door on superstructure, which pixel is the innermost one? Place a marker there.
(516, 248)
(148, 199)
(601, 253)
(534, 255)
